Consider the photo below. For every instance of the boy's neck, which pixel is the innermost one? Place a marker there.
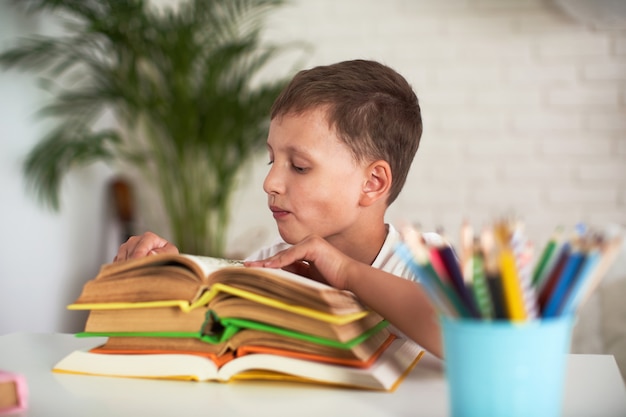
(366, 244)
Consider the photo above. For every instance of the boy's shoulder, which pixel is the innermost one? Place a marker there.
(387, 259)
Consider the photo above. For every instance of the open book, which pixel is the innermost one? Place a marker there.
(385, 373)
(190, 282)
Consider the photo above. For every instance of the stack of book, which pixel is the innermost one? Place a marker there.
(200, 318)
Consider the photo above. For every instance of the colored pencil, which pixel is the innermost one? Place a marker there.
(419, 250)
(550, 281)
(546, 261)
(467, 253)
(522, 250)
(564, 282)
(451, 265)
(609, 252)
(480, 287)
(513, 297)
(576, 293)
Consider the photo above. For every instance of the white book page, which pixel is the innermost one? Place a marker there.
(210, 265)
(145, 366)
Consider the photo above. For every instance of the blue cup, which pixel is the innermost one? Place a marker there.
(501, 368)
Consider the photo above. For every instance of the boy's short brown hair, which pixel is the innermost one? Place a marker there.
(373, 109)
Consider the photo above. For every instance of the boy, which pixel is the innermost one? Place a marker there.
(341, 141)
(337, 135)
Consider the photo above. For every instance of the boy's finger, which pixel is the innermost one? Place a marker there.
(165, 249)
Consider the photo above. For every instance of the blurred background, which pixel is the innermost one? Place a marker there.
(524, 108)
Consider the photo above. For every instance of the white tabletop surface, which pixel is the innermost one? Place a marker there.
(594, 388)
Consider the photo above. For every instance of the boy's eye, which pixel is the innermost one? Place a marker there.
(299, 170)
(271, 161)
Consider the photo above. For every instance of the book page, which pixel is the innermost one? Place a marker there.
(393, 365)
(385, 374)
(173, 366)
(210, 265)
(289, 288)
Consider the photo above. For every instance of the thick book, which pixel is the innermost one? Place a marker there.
(190, 282)
(231, 334)
(252, 341)
(174, 319)
(384, 374)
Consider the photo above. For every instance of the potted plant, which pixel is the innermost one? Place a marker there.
(184, 85)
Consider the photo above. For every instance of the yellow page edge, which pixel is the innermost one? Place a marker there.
(186, 307)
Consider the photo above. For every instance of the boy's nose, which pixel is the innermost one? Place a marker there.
(273, 183)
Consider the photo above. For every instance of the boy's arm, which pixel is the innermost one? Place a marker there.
(401, 301)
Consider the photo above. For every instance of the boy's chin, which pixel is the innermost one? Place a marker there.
(291, 238)
(288, 239)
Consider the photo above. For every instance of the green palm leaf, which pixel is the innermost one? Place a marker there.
(180, 84)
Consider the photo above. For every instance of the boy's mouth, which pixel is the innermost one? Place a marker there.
(278, 212)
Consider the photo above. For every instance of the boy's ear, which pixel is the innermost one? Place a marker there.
(377, 182)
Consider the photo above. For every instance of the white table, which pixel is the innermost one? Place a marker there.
(594, 388)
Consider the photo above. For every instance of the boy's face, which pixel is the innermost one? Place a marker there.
(314, 183)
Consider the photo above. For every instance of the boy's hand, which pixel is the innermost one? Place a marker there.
(313, 257)
(144, 245)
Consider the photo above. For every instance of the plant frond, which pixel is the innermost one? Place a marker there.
(63, 149)
(35, 54)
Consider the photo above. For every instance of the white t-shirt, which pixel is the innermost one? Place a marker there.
(387, 260)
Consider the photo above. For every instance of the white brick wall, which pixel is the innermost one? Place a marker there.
(524, 109)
